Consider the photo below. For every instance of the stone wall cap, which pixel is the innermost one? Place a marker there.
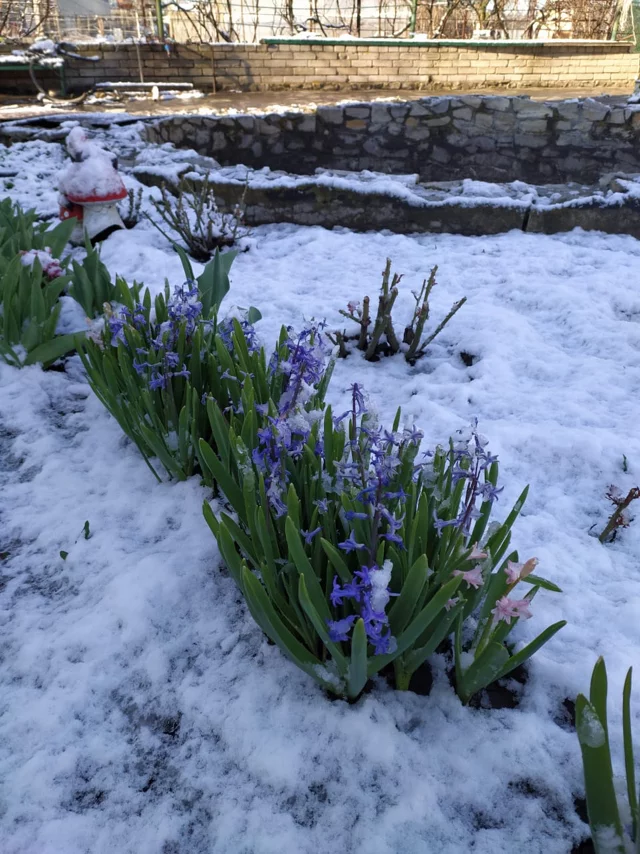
(625, 47)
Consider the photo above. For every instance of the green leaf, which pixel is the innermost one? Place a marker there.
(320, 626)
(58, 237)
(357, 677)
(542, 582)
(186, 263)
(336, 560)
(413, 659)
(402, 609)
(531, 648)
(418, 625)
(64, 555)
(628, 753)
(483, 671)
(224, 480)
(48, 352)
(213, 282)
(304, 567)
(602, 806)
(210, 518)
(271, 624)
(229, 553)
(253, 315)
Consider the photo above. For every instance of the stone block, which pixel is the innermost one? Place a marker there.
(440, 155)
(418, 133)
(357, 112)
(330, 115)
(568, 109)
(483, 120)
(463, 113)
(532, 126)
(399, 111)
(442, 121)
(594, 111)
(473, 101)
(530, 140)
(616, 116)
(307, 124)
(497, 103)
(380, 113)
(418, 110)
(437, 106)
(532, 109)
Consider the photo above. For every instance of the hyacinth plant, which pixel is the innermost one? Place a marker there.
(155, 367)
(30, 285)
(23, 231)
(352, 553)
(90, 283)
(610, 831)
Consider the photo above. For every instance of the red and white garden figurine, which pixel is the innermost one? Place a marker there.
(90, 189)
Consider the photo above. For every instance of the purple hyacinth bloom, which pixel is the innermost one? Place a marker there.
(358, 399)
(413, 435)
(393, 538)
(441, 524)
(183, 373)
(382, 643)
(339, 629)
(350, 544)
(116, 327)
(309, 535)
(140, 367)
(399, 495)
(364, 574)
(489, 492)
(262, 408)
(353, 514)
(337, 594)
(172, 359)
(388, 440)
(157, 381)
(323, 505)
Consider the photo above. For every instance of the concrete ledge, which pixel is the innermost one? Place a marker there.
(329, 207)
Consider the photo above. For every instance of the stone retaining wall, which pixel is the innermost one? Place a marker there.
(378, 65)
(312, 203)
(440, 138)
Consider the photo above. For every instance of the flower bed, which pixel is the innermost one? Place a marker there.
(144, 708)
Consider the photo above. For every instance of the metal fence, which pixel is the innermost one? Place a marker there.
(251, 20)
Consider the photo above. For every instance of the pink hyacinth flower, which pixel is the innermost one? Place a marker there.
(521, 608)
(451, 603)
(512, 572)
(473, 577)
(476, 554)
(504, 610)
(517, 571)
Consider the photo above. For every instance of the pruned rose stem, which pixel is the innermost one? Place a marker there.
(616, 520)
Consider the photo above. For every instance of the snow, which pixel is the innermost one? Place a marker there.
(94, 175)
(141, 709)
(50, 265)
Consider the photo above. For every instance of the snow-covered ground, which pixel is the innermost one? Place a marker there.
(142, 711)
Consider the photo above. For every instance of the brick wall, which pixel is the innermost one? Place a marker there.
(445, 65)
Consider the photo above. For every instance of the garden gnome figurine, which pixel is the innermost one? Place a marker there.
(90, 189)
